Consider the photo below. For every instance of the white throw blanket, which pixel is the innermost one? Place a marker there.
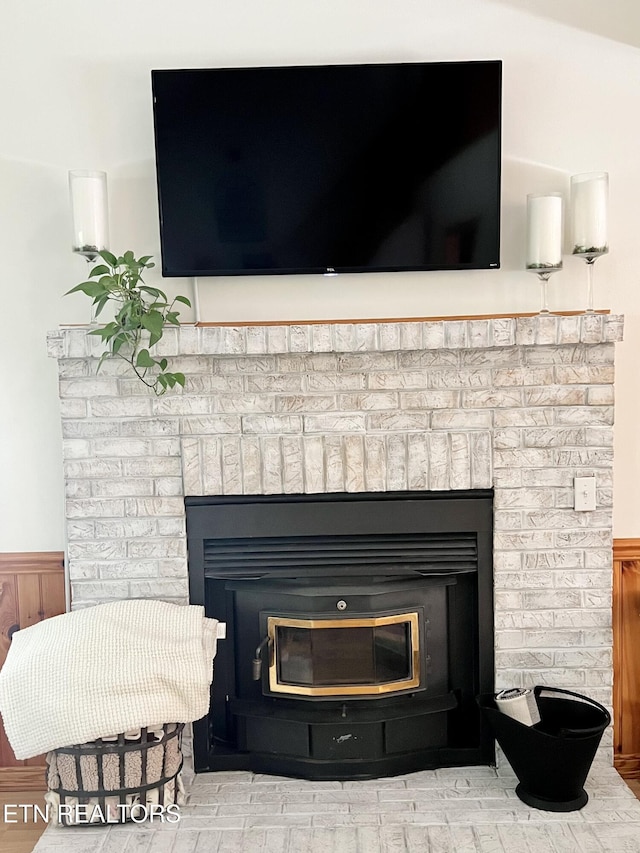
(104, 670)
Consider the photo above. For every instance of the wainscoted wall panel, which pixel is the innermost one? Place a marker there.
(626, 657)
(32, 588)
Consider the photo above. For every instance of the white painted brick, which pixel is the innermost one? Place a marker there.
(431, 358)
(417, 461)
(256, 337)
(125, 528)
(234, 366)
(313, 451)
(489, 398)
(546, 329)
(149, 466)
(245, 403)
(120, 407)
(460, 471)
(584, 374)
(507, 520)
(336, 382)
(344, 337)
(375, 460)
(77, 489)
(203, 385)
(523, 417)
(161, 588)
(321, 340)
(389, 336)
(73, 408)
(274, 382)
(251, 464)
(433, 399)
(514, 376)
(276, 339)
(565, 559)
(461, 419)
(397, 421)
(480, 333)
(231, 466)
(307, 403)
(569, 329)
(396, 462)
(439, 461)
(354, 463)
(331, 423)
(433, 335)
(299, 339)
(363, 401)
(135, 507)
(366, 336)
(334, 464)
(272, 465)
(125, 569)
(504, 332)
(410, 336)
(125, 487)
(481, 460)
(367, 362)
(592, 328)
(213, 424)
(292, 465)
(89, 387)
(456, 334)
(94, 508)
(156, 548)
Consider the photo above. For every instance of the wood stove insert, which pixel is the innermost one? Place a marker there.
(359, 631)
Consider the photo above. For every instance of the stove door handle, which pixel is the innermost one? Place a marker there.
(257, 661)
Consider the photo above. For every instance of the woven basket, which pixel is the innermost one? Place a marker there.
(114, 779)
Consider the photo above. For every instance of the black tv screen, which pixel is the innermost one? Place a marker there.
(322, 169)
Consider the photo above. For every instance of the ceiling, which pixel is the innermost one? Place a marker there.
(618, 20)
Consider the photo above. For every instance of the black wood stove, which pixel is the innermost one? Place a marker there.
(359, 631)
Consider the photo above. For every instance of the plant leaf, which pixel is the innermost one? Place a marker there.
(153, 322)
(143, 359)
(99, 270)
(109, 258)
(184, 300)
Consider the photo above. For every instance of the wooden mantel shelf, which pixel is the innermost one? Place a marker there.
(347, 320)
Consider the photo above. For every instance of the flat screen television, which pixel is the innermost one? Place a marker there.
(328, 168)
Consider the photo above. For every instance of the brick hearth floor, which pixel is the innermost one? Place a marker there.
(459, 810)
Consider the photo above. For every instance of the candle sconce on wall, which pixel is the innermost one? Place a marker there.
(90, 213)
(589, 202)
(544, 238)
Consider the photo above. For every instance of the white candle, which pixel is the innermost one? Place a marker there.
(89, 209)
(544, 231)
(589, 197)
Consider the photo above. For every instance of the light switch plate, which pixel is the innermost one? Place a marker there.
(584, 493)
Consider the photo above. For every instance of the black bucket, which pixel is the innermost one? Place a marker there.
(551, 759)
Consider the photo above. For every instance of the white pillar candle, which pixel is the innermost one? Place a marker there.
(89, 210)
(544, 231)
(589, 197)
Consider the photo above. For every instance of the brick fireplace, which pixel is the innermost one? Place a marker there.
(517, 405)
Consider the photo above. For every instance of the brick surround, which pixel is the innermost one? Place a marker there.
(522, 405)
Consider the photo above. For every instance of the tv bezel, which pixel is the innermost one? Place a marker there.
(329, 270)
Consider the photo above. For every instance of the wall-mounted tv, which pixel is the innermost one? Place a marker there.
(328, 168)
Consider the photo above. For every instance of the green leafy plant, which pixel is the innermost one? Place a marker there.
(141, 314)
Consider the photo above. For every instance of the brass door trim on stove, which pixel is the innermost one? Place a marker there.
(275, 686)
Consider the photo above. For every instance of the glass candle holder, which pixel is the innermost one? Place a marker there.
(544, 238)
(90, 212)
(589, 225)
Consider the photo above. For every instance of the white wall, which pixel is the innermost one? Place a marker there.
(75, 93)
